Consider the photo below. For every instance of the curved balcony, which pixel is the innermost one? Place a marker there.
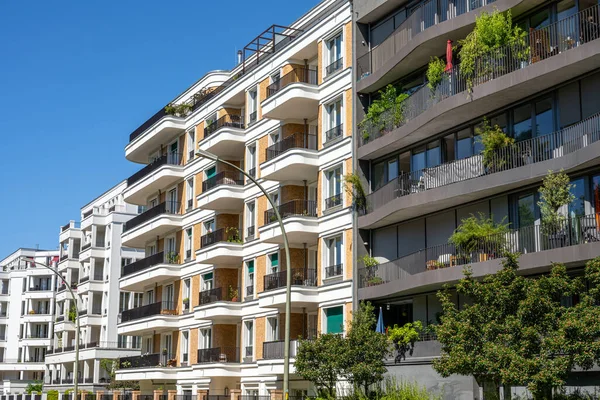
(225, 137)
(155, 268)
(223, 192)
(433, 267)
(447, 185)
(304, 289)
(293, 96)
(424, 33)
(160, 128)
(223, 246)
(299, 219)
(292, 158)
(160, 173)
(156, 221)
(221, 305)
(160, 316)
(501, 77)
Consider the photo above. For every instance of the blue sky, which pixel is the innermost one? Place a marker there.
(77, 77)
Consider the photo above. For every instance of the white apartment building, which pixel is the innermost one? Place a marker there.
(91, 258)
(27, 293)
(211, 314)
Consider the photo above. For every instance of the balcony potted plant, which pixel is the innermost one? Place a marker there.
(186, 303)
(172, 257)
(31, 312)
(232, 294)
(371, 265)
(164, 351)
(233, 235)
(480, 236)
(404, 338)
(555, 193)
(497, 147)
(297, 278)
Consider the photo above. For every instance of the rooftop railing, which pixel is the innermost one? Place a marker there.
(538, 45)
(424, 16)
(166, 159)
(542, 148)
(528, 239)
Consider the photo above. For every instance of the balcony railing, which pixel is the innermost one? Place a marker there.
(60, 318)
(334, 66)
(147, 360)
(334, 133)
(166, 207)
(219, 355)
(86, 246)
(293, 208)
(421, 18)
(523, 153)
(98, 276)
(334, 270)
(143, 264)
(160, 307)
(529, 239)
(223, 178)
(64, 257)
(540, 44)
(219, 294)
(300, 277)
(333, 201)
(39, 288)
(231, 235)
(274, 350)
(167, 159)
(84, 279)
(297, 75)
(231, 121)
(294, 141)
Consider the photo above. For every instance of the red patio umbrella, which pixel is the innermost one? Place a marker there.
(449, 56)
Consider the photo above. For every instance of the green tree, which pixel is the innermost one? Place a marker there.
(34, 387)
(366, 349)
(520, 331)
(111, 366)
(555, 192)
(52, 395)
(319, 361)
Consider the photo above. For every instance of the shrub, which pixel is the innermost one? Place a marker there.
(494, 140)
(435, 71)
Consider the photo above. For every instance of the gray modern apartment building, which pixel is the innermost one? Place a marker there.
(424, 173)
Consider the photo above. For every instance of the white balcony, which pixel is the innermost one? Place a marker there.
(158, 317)
(67, 263)
(152, 269)
(225, 137)
(295, 157)
(37, 318)
(294, 96)
(224, 192)
(166, 128)
(69, 231)
(160, 173)
(220, 247)
(218, 306)
(300, 223)
(156, 221)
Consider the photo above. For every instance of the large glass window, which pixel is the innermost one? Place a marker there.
(544, 117)
(577, 206)
(522, 123)
(526, 210)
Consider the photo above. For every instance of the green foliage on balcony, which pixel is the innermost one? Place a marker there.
(477, 233)
(555, 193)
(496, 144)
(384, 113)
(435, 71)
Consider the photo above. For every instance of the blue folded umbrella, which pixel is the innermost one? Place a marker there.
(380, 327)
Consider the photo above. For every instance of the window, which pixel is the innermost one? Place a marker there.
(274, 137)
(191, 144)
(189, 193)
(150, 297)
(207, 281)
(171, 250)
(123, 301)
(251, 160)
(334, 319)
(208, 226)
(250, 278)
(172, 203)
(252, 105)
(334, 54)
(173, 156)
(249, 338)
(272, 329)
(210, 172)
(275, 77)
(250, 220)
(168, 344)
(274, 262)
(188, 244)
(333, 120)
(205, 338)
(333, 187)
(333, 256)
(185, 344)
(275, 198)
(187, 288)
(138, 299)
(209, 121)
(168, 297)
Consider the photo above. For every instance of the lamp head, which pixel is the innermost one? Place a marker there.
(206, 154)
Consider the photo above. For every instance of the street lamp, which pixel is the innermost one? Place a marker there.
(288, 285)
(76, 366)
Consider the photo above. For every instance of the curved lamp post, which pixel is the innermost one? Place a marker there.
(288, 286)
(76, 366)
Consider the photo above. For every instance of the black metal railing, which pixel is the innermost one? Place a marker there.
(334, 66)
(219, 294)
(98, 276)
(523, 153)
(37, 335)
(223, 178)
(145, 360)
(143, 264)
(96, 310)
(151, 121)
(424, 16)
(250, 231)
(333, 201)
(60, 318)
(83, 312)
(231, 121)
(528, 239)
(230, 234)
(300, 277)
(334, 270)
(297, 75)
(85, 246)
(65, 227)
(294, 141)
(538, 45)
(166, 207)
(274, 350)
(223, 354)
(148, 310)
(64, 257)
(304, 208)
(39, 288)
(169, 158)
(334, 133)
(84, 279)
